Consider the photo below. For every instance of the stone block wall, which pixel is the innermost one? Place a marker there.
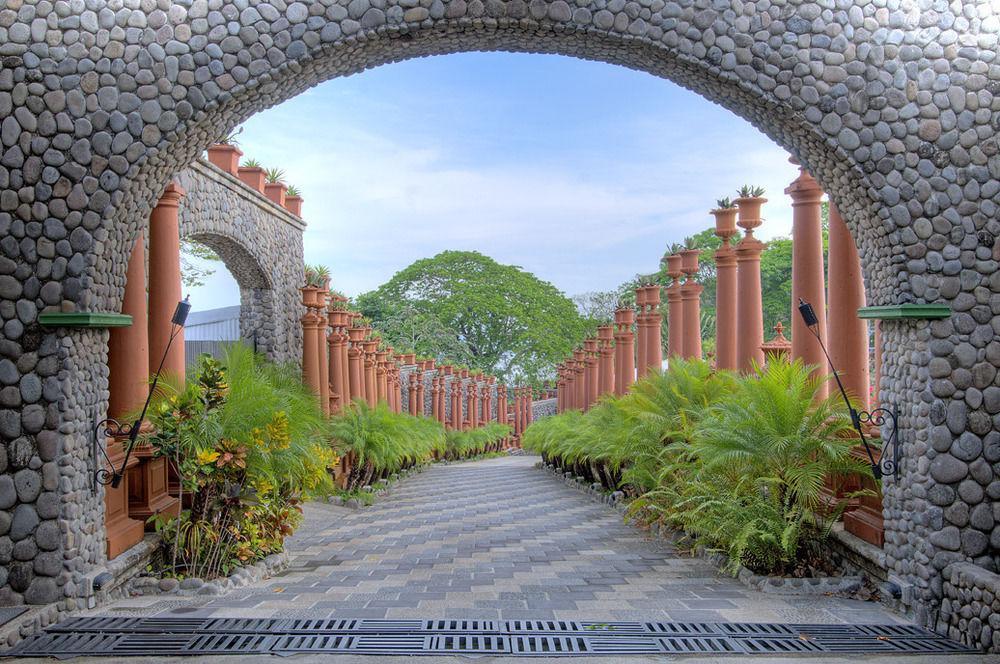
(970, 609)
(260, 243)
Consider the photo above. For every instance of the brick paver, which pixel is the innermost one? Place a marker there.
(495, 539)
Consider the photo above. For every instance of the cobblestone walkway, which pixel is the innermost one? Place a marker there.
(495, 539)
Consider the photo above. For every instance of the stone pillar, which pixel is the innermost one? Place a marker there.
(529, 399)
(624, 350)
(848, 334)
(165, 282)
(749, 307)
(654, 335)
(590, 373)
(807, 270)
(877, 340)
(128, 375)
(310, 346)
(606, 362)
(691, 304)
(725, 290)
(641, 330)
(675, 307)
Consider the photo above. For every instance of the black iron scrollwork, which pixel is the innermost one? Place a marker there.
(109, 428)
(888, 461)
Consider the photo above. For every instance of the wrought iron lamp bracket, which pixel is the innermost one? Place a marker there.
(106, 474)
(888, 462)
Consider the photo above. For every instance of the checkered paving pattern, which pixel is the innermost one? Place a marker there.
(495, 539)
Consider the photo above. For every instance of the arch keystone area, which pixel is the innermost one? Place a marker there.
(891, 106)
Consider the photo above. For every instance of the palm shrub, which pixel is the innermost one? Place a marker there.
(472, 442)
(664, 408)
(249, 444)
(759, 459)
(379, 442)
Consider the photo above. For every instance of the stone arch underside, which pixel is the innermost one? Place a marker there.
(889, 104)
(260, 244)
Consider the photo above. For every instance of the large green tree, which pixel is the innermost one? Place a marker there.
(504, 320)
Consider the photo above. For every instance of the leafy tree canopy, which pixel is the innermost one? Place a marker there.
(462, 304)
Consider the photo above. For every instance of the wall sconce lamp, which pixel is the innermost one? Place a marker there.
(886, 464)
(110, 427)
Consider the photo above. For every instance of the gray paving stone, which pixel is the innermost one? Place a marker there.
(498, 539)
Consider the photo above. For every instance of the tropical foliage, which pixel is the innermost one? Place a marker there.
(738, 463)
(249, 444)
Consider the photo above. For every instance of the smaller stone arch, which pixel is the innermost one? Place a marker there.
(260, 243)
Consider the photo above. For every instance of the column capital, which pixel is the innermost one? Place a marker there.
(172, 195)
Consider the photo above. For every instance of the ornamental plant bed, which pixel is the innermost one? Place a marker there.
(738, 462)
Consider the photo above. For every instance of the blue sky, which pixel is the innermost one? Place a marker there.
(580, 172)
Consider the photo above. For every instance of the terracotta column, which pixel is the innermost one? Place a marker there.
(848, 334)
(337, 395)
(528, 401)
(421, 409)
(345, 375)
(624, 350)
(322, 351)
(749, 308)
(435, 406)
(411, 393)
(371, 382)
(807, 270)
(725, 290)
(640, 331)
(165, 281)
(606, 363)
(310, 346)
(355, 336)
(675, 307)
(579, 379)
(128, 373)
(654, 335)
(691, 303)
(381, 380)
(473, 401)
(570, 379)
(442, 395)
(355, 361)
(502, 404)
(518, 409)
(456, 402)
(590, 372)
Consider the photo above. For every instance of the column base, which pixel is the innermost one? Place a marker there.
(121, 532)
(148, 487)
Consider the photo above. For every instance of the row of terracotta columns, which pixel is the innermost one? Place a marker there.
(150, 485)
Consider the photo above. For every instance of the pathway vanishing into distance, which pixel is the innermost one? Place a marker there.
(495, 539)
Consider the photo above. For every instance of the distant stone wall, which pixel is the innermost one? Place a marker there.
(970, 609)
(543, 408)
(260, 243)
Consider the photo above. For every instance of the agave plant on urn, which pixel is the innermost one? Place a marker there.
(274, 188)
(252, 174)
(750, 201)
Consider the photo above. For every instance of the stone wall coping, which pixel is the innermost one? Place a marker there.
(240, 188)
(972, 576)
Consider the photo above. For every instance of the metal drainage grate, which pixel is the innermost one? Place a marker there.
(175, 636)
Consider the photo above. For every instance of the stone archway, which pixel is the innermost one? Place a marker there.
(890, 106)
(260, 244)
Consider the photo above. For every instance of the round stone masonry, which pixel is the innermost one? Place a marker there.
(891, 108)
